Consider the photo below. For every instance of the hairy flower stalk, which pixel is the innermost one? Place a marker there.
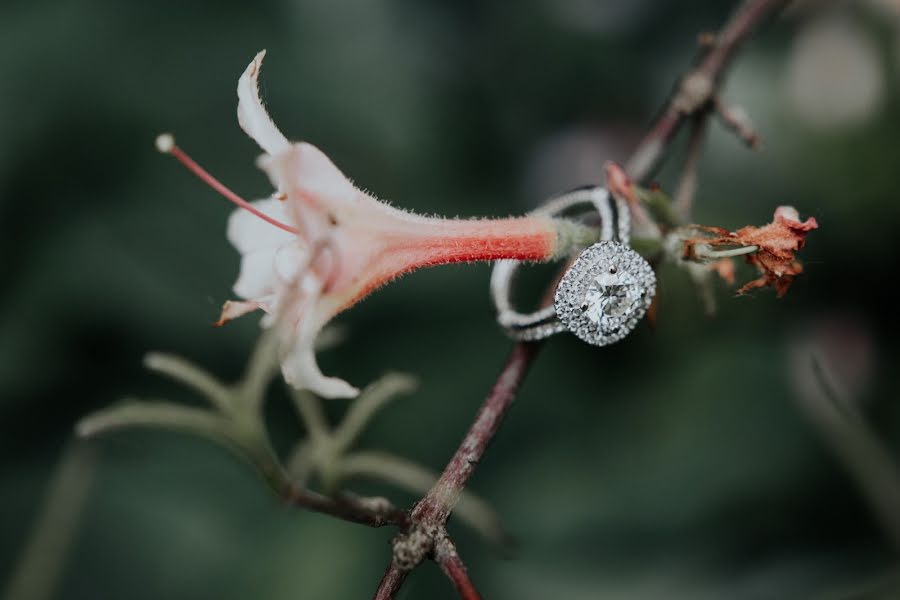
(319, 244)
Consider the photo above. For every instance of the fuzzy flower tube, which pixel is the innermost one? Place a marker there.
(319, 244)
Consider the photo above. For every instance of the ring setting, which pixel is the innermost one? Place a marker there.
(603, 294)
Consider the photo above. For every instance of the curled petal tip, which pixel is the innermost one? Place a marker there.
(791, 217)
(252, 115)
(232, 309)
(253, 69)
(313, 380)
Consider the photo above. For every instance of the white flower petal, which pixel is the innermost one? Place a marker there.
(306, 170)
(252, 115)
(301, 371)
(289, 260)
(298, 363)
(257, 277)
(249, 233)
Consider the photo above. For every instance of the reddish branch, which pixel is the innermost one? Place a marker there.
(390, 583)
(431, 513)
(374, 512)
(455, 570)
(446, 557)
(435, 507)
(696, 92)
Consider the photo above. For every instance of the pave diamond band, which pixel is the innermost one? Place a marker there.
(603, 294)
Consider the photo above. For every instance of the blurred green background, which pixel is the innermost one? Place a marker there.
(677, 464)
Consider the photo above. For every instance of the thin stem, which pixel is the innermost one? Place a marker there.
(687, 185)
(260, 369)
(447, 558)
(36, 574)
(436, 506)
(301, 463)
(737, 121)
(310, 410)
(866, 458)
(391, 582)
(373, 512)
(168, 147)
(371, 400)
(191, 375)
(698, 87)
(156, 413)
(705, 252)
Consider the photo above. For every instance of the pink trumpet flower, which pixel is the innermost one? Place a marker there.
(319, 245)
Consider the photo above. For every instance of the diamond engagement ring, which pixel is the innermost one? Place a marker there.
(602, 295)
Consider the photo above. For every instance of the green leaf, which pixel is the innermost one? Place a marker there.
(372, 399)
(166, 415)
(191, 375)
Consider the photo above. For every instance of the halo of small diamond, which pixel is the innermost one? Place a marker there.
(605, 292)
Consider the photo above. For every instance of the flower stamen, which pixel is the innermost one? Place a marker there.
(165, 143)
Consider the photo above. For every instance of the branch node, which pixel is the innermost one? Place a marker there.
(413, 546)
(694, 93)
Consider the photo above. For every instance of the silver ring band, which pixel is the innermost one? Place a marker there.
(615, 224)
(609, 325)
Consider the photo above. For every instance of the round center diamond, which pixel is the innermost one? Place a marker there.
(612, 295)
(605, 293)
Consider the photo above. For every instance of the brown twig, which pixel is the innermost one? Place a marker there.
(374, 512)
(687, 184)
(698, 88)
(430, 514)
(737, 121)
(448, 560)
(435, 507)
(427, 533)
(390, 584)
(694, 96)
